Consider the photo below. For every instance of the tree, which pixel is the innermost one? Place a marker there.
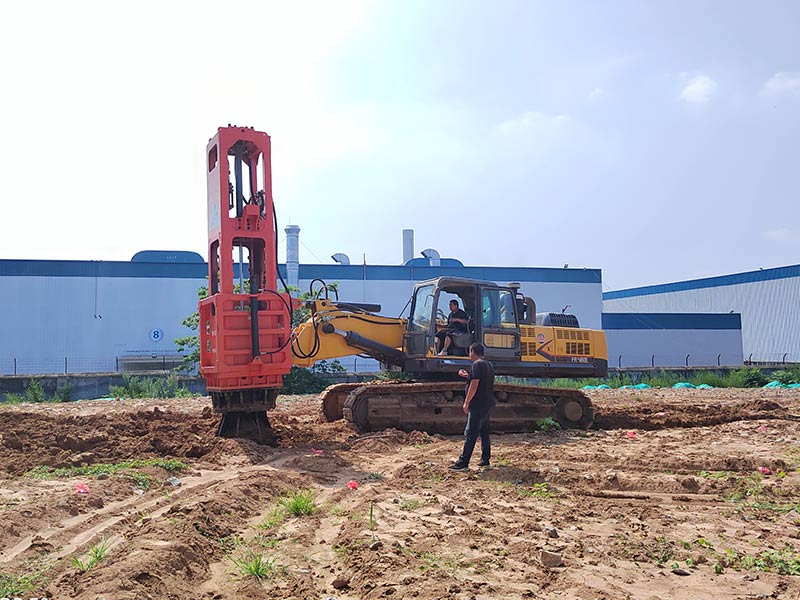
(191, 360)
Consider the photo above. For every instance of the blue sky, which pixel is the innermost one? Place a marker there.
(657, 141)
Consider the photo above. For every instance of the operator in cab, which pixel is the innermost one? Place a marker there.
(457, 322)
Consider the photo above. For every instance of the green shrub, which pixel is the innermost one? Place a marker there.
(34, 392)
(149, 387)
(747, 377)
(708, 378)
(303, 381)
(787, 376)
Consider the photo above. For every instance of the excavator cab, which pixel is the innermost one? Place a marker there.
(494, 315)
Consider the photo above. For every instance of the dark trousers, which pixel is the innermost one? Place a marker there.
(478, 422)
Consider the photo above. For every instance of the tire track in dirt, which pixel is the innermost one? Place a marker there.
(75, 531)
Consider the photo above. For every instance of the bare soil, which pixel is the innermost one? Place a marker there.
(664, 499)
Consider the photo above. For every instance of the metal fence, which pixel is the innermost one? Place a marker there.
(358, 364)
(76, 365)
(699, 360)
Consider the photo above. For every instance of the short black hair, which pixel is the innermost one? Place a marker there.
(454, 301)
(477, 348)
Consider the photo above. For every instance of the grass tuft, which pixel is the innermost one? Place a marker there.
(537, 490)
(96, 554)
(43, 472)
(413, 504)
(300, 503)
(276, 516)
(18, 585)
(253, 564)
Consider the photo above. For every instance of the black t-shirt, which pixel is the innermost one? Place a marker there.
(455, 325)
(483, 371)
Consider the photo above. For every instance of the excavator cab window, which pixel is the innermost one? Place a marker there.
(498, 309)
(423, 309)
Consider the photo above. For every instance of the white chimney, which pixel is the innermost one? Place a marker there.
(292, 255)
(408, 245)
(434, 259)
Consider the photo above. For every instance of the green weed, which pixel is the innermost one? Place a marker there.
(703, 543)
(660, 550)
(229, 543)
(373, 524)
(537, 490)
(274, 519)
(253, 564)
(140, 387)
(96, 554)
(18, 585)
(434, 561)
(269, 542)
(547, 424)
(44, 472)
(413, 504)
(749, 487)
(785, 561)
(300, 503)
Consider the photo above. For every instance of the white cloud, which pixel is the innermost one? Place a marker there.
(783, 235)
(783, 83)
(531, 120)
(596, 92)
(699, 89)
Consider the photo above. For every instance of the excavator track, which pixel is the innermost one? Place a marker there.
(436, 407)
(333, 398)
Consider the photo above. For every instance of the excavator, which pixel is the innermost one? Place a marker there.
(247, 343)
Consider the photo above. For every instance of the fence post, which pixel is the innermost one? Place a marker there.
(15, 365)
(65, 365)
(116, 364)
(619, 361)
(719, 360)
(784, 357)
(687, 360)
(750, 359)
(163, 362)
(653, 361)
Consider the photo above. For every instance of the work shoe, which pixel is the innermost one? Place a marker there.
(459, 466)
(483, 463)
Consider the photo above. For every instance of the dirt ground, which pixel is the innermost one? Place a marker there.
(663, 499)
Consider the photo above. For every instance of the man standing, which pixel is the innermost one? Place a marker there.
(478, 404)
(457, 322)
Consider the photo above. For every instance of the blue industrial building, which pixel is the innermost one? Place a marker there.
(103, 316)
(767, 301)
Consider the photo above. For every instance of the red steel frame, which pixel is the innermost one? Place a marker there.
(238, 358)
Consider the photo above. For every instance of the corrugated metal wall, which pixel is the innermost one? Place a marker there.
(83, 324)
(769, 310)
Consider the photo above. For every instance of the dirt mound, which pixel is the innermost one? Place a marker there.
(698, 482)
(696, 412)
(33, 439)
